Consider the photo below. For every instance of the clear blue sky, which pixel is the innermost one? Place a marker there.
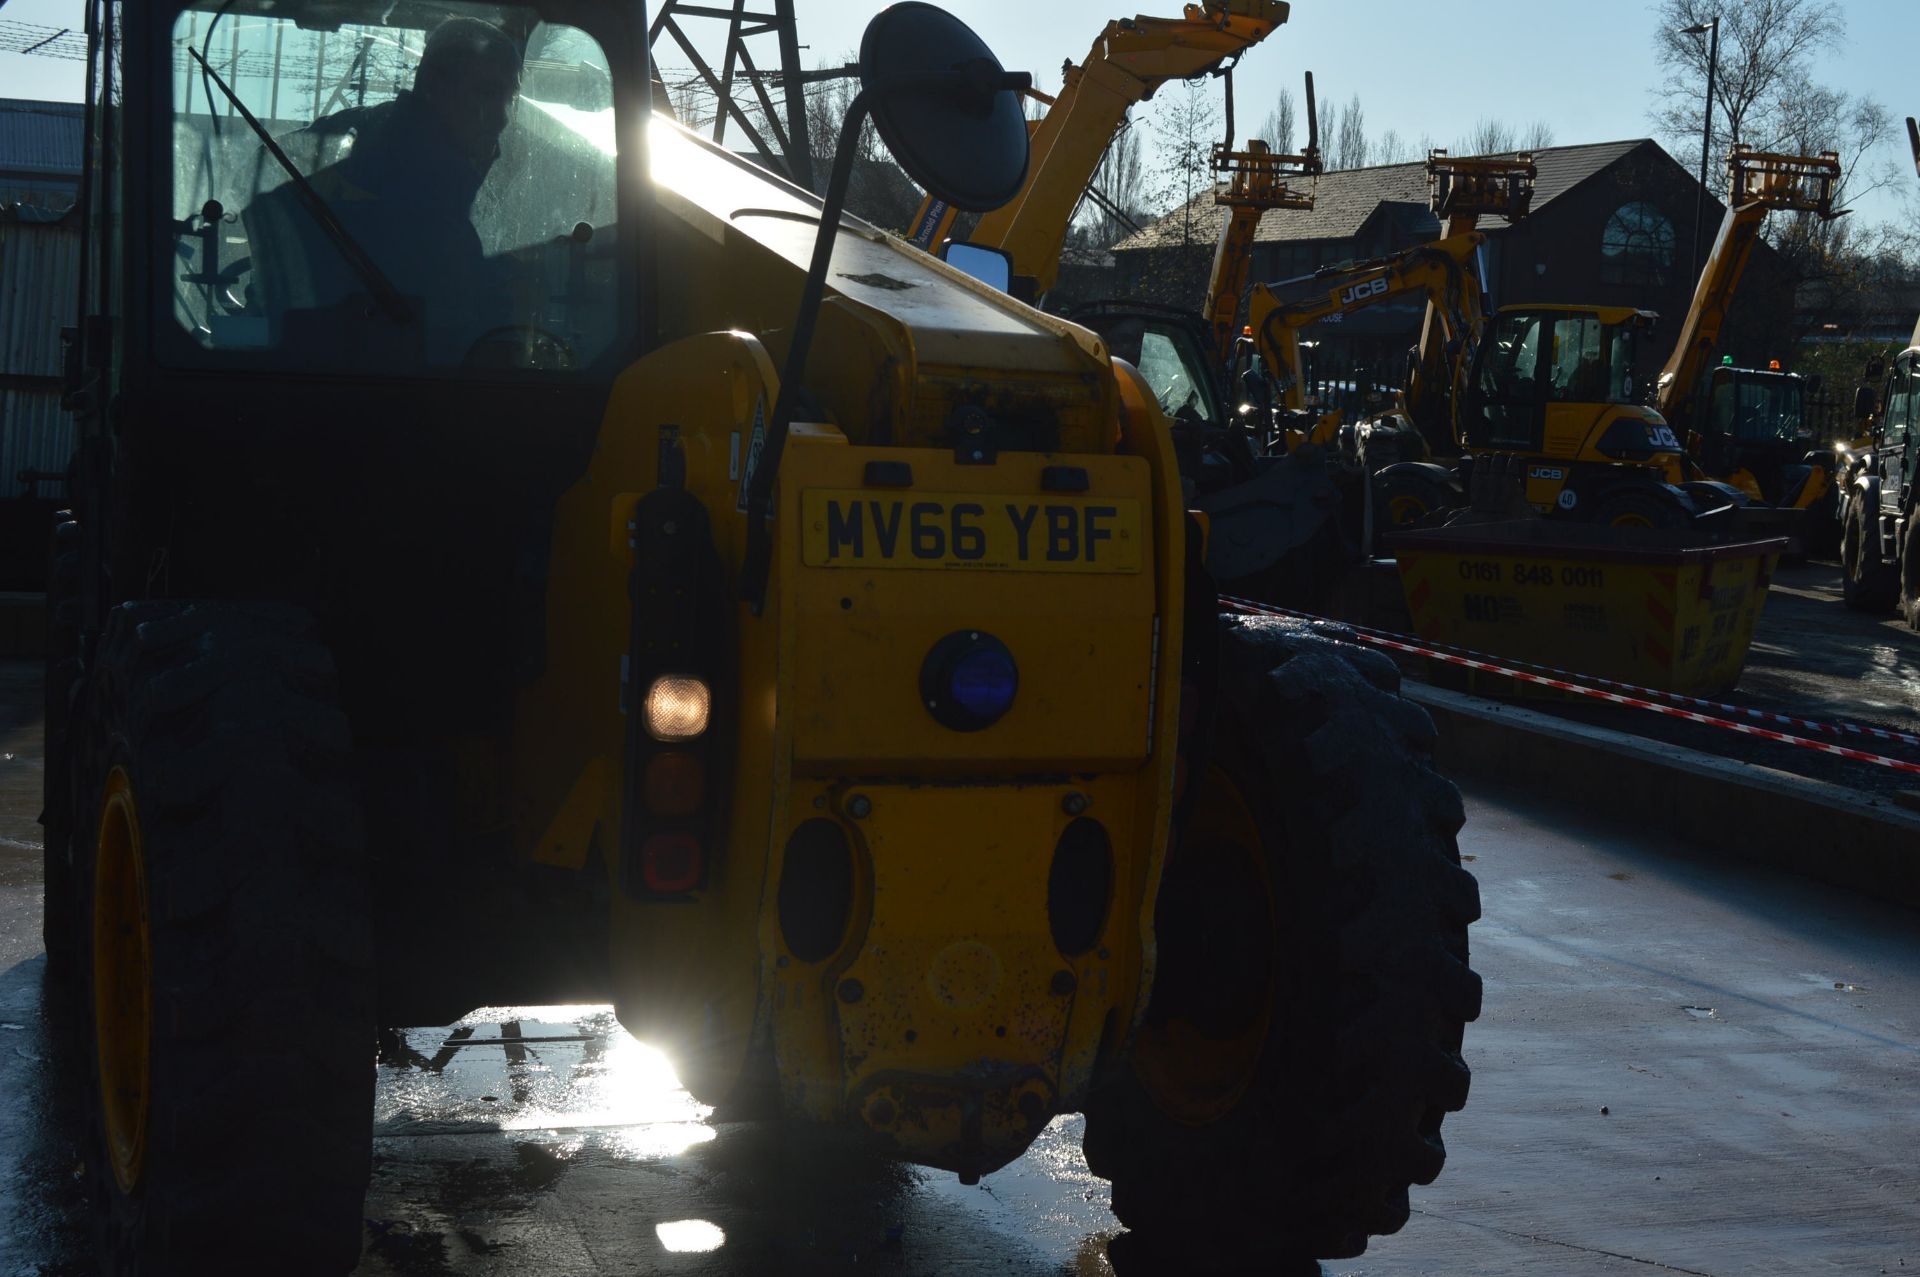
(1420, 67)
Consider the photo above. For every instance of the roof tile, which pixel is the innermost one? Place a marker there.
(1345, 199)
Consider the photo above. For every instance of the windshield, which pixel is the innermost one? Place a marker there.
(403, 198)
(1585, 360)
(1756, 407)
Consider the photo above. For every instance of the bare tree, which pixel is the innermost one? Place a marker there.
(1330, 135)
(1538, 137)
(1353, 135)
(1765, 49)
(1121, 181)
(1764, 96)
(827, 105)
(1489, 137)
(1391, 148)
(692, 104)
(1815, 119)
(1277, 130)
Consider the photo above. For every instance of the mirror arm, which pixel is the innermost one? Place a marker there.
(759, 557)
(979, 76)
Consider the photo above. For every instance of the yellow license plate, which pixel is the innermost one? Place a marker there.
(856, 528)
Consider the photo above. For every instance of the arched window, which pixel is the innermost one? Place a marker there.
(1637, 246)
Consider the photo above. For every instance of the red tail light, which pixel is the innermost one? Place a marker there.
(671, 862)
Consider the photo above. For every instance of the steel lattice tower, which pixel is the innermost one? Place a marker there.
(788, 148)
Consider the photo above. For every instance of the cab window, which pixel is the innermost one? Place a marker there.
(1579, 370)
(1512, 354)
(1897, 419)
(1720, 405)
(405, 198)
(1621, 344)
(1177, 383)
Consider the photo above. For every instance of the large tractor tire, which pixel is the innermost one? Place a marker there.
(1867, 583)
(1638, 505)
(1302, 1044)
(59, 917)
(230, 964)
(1406, 493)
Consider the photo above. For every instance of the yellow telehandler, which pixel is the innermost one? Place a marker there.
(497, 507)
(1747, 427)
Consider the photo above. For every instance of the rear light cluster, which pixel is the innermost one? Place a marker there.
(675, 661)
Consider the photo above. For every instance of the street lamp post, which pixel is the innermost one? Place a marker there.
(1711, 29)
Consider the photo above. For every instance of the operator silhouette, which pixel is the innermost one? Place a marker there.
(401, 177)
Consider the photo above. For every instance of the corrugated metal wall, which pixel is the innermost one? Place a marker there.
(39, 287)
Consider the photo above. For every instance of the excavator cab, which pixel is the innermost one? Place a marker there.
(1554, 387)
(1547, 378)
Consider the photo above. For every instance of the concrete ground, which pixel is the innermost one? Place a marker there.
(1818, 656)
(1683, 1066)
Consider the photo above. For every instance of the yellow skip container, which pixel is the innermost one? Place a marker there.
(1667, 610)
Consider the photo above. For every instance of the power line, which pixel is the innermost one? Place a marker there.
(41, 41)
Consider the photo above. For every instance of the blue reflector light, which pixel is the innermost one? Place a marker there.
(968, 680)
(983, 681)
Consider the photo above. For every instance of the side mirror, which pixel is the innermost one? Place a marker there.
(944, 106)
(1866, 402)
(991, 266)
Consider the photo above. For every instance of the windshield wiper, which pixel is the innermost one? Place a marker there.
(365, 267)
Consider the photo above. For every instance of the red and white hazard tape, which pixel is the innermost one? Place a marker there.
(1767, 716)
(1637, 697)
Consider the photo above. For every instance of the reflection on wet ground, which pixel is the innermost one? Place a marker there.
(546, 1139)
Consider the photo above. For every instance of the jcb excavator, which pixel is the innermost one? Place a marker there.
(1129, 62)
(1747, 426)
(499, 511)
(1449, 273)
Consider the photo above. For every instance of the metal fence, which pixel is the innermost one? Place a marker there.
(39, 273)
(1830, 416)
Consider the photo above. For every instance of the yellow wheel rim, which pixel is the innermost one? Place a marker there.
(1403, 510)
(1193, 1076)
(122, 981)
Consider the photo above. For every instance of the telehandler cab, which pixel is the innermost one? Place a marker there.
(499, 511)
